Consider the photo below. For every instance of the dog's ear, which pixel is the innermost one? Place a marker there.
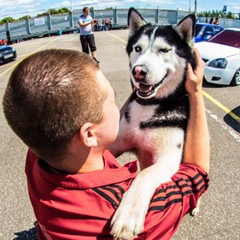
(186, 29)
(135, 21)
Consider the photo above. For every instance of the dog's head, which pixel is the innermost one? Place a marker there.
(159, 54)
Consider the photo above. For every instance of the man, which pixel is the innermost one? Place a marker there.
(87, 39)
(68, 117)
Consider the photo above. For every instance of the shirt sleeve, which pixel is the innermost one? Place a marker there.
(192, 182)
(172, 201)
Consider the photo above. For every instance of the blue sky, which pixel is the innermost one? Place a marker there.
(18, 8)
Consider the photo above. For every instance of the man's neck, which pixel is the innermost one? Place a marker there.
(92, 167)
(82, 163)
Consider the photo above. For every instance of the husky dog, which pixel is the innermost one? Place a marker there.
(154, 122)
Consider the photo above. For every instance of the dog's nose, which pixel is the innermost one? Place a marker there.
(139, 72)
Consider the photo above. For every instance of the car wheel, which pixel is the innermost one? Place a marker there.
(236, 78)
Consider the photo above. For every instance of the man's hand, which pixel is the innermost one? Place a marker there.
(195, 78)
(94, 21)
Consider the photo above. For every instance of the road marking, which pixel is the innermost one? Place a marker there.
(224, 125)
(14, 65)
(117, 37)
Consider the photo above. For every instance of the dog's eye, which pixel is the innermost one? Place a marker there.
(164, 50)
(138, 49)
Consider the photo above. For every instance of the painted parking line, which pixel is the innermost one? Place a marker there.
(226, 127)
(117, 37)
(225, 109)
(217, 103)
(14, 65)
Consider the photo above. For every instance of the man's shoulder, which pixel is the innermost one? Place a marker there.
(84, 18)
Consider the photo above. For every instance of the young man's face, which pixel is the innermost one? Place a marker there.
(109, 127)
(86, 12)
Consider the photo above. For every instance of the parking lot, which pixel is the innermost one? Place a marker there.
(220, 211)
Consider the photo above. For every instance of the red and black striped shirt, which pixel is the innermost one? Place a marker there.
(81, 206)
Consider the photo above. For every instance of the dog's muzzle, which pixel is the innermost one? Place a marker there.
(144, 90)
(140, 72)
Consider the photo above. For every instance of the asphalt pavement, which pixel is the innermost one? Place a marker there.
(219, 216)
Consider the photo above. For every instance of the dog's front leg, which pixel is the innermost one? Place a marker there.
(123, 142)
(128, 220)
(196, 210)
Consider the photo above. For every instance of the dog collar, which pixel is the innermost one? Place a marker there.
(149, 101)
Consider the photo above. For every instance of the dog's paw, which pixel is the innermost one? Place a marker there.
(126, 226)
(128, 220)
(195, 211)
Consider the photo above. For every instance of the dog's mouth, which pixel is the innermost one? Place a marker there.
(145, 90)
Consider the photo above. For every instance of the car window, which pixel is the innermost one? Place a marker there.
(217, 29)
(208, 29)
(227, 37)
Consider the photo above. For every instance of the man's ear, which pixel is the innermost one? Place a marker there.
(87, 135)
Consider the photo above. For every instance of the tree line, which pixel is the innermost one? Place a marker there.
(49, 11)
(213, 13)
(218, 14)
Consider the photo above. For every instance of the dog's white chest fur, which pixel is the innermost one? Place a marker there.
(139, 113)
(130, 130)
(150, 144)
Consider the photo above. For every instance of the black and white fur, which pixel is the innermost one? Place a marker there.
(154, 122)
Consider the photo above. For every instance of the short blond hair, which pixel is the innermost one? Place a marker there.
(49, 96)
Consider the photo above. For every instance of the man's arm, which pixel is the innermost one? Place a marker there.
(197, 145)
(82, 24)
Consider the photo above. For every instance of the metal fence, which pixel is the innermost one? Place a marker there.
(68, 22)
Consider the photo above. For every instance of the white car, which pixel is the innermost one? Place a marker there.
(221, 55)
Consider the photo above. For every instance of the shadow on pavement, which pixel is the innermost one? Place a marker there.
(233, 123)
(30, 234)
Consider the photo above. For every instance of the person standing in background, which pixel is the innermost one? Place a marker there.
(211, 20)
(102, 24)
(86, 23)
(216, 22)
(110, 24)
(106, 24)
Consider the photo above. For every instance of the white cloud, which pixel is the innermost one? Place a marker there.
(18, 8)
